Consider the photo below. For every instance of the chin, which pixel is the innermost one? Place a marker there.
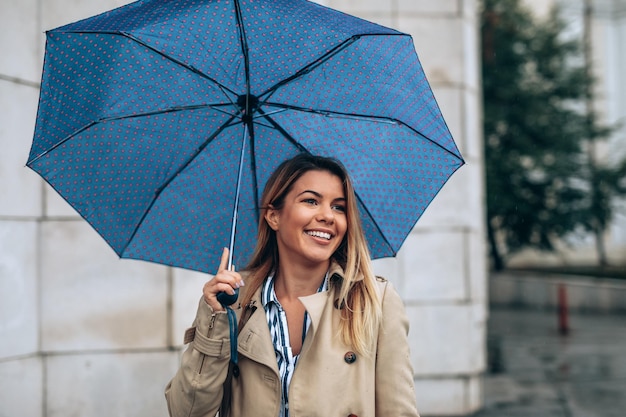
(320, 258)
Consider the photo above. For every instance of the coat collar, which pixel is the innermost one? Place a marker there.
(335, 271)
(255, 341)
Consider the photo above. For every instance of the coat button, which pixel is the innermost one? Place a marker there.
(350, 357)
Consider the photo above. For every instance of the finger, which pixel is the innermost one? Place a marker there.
(223, 260)
(216, 288)
(231, 278)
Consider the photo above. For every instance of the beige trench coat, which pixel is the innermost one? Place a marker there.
(327, 381)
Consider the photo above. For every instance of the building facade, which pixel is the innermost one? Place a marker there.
(84, 333)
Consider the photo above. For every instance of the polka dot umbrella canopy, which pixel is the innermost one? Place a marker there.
(155, 117)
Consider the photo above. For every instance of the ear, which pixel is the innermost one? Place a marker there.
(272, 217)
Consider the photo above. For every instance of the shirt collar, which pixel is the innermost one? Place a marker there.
(268, 295)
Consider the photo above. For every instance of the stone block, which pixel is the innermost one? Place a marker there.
(479, 314)
(186, 292)
(20, 187)
(389, 268)
(19, 40)
(445, 7)
(109, 384)
(18, 288)
(93, 300)
(355, 7)
(476, 248)
(433, 266)
(449, 397)
(450, 101)
(458, 203)
(379, 13)
(56, 206)
(470, 8)
(383, 19)
(444, 339)
(475, 394)
(21, 387)
(439, 45)
(56, 13)
(472, 76)
(441, 397)
(470, 142)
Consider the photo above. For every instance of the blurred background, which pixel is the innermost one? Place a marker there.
(555, 165)
(513, 279)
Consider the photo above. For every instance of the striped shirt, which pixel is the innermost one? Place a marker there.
(277, 322)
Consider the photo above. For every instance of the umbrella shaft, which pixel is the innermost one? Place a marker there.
(237, 193)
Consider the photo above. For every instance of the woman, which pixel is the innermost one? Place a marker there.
(319, 334)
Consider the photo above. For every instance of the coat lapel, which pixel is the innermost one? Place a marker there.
(254, 340)
(314, 305)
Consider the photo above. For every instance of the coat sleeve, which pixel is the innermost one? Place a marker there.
(395, 390)
(197, 388)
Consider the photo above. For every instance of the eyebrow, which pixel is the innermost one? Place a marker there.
(315, 193)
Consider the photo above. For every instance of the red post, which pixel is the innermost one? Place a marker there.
(562, 307)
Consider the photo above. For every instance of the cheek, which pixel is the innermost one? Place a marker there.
(343, 227)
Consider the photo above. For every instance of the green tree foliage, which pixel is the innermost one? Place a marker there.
(605, 182)
(534, 83)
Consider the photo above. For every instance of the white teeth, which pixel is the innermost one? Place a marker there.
(319, 234)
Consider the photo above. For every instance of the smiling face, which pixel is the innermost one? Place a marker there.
(312, 222)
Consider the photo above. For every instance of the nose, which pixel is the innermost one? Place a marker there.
(326, 213)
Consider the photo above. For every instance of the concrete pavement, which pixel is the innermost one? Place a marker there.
(537, 372)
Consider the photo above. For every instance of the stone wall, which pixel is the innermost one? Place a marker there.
(84, 333)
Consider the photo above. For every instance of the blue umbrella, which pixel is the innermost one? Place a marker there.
(160, 121)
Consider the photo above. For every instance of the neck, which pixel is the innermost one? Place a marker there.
(293, 281)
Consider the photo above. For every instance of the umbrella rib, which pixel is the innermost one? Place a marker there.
(356, 116)
(278, 127)
(182, 167)
(61, 142)
(310, 67)
(332, 113)
(131, 116)
(380, 231)
(328, 55)
(191, 68)
(244, 50)
(168, 110)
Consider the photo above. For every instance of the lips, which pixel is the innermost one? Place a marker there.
(317, 233)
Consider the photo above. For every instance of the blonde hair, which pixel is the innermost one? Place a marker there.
(357, 293)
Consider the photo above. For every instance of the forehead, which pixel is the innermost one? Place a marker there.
(322, 182)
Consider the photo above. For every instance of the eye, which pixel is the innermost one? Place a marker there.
(311, 201)
(340, 208)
